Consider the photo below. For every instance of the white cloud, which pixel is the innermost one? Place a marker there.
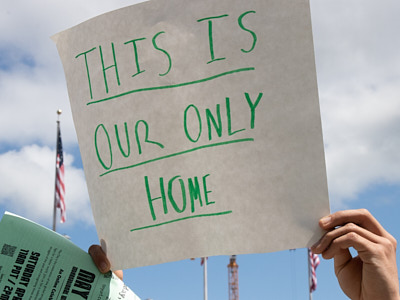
(358, 66)
(29, 25)
(27, 180)
(362, 140)
(32, 84)
(356, 42)
(29, 101)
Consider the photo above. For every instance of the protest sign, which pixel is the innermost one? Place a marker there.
(199, 127)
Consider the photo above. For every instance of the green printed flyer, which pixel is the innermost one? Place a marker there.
(37, 263)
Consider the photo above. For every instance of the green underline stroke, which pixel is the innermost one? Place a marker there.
(173, 85)
(177, 154)
(182, 219)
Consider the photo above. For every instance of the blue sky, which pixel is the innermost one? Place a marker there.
(358, 67)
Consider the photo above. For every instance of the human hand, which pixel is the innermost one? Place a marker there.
(101, 261)
(373, 273)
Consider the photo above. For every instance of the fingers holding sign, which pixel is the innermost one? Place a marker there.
(373, 273)
(101, 261)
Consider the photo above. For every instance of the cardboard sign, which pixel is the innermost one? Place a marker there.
(199, 127)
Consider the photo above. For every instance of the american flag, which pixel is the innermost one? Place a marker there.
(314, 262)
(60, 188)
(203, 260)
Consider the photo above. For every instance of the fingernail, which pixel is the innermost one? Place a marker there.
(326, 220)
(103, 267)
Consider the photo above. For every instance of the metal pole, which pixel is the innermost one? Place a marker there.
(205, 278)
(309, 273)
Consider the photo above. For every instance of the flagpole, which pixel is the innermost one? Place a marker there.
(205, 277)
(309, 273)
(59, 112)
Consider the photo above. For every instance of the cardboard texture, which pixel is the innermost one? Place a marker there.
(199, 127)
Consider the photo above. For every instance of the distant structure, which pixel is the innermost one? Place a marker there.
(233, 278)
